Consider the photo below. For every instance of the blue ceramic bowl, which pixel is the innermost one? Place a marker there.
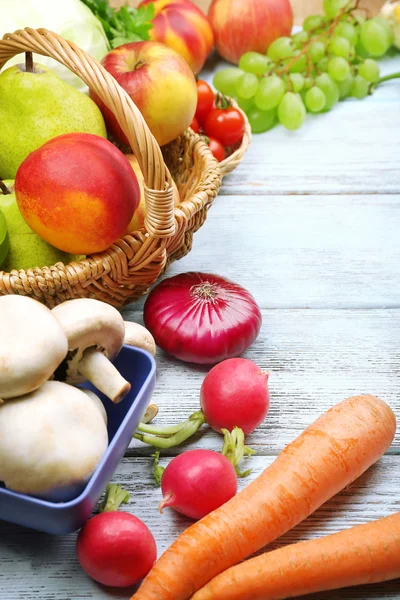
(139, 368)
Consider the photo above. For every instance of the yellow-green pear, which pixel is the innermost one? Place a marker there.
(4, 239)
(36, 106)
(26, 249)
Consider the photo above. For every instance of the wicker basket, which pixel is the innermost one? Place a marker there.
(132, 264)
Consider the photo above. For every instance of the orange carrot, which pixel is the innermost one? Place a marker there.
(325, 458)
(364, 554)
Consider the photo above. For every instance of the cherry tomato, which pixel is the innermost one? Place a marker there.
(226, 125)
(195, 125)
(217, 149)
(205, 100)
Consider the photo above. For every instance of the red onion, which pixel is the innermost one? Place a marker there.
(202, 318)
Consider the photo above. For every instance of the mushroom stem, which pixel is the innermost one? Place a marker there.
(96, 367)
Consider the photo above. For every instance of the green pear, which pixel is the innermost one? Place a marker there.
(4, 239)
(27, 250)
(36, 106)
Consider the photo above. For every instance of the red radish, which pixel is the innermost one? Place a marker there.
(197, 482)
(116, 549)
(202, 318)
(235, 394)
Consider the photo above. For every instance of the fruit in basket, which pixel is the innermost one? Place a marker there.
(35, 107)
(4, 239)
(27, 250)
(253, 25)
(51, 440)
(161, 84)
(225, 124)
(78, 192)
(182, 26)
(137, 221)
(32, 345)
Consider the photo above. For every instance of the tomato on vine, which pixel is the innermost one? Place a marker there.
(216, 148)
(195, 125)
(225, 123)
(205, 100)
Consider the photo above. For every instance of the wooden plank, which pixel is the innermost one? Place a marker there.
(311, 252)
(35, 565)
(315, 359)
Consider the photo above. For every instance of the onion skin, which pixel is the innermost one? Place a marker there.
(202, 318)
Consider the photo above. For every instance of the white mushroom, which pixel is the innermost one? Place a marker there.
(50, 439)
(150, 414)
(97, 402)
(138, 336)
(95, 332)
(32, 345)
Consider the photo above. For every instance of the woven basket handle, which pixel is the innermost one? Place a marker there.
(158, 191)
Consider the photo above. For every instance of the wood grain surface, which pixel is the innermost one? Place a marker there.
(310, 223)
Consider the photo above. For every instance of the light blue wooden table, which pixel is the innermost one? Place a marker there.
(310, 223)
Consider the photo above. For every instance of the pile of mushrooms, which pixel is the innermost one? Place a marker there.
(53, 434)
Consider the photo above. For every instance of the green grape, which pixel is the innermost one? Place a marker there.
(360, 87)
(308, 83)
(340, 46)
(297, 81)
(323, 65)
(245, 103)
(300, 38)
(338, 68)
(330, 89)
(317, 51)
(254, 62)
(300, 65)
(345, 87)
(359, 19)
(333, 7)
(369, 69)
(315, 100)
(361, 51)
(313, 22)
(262, 120)
(247, 85)
(270, 92)
(374, 38)
(291, 111)
(348, 31)
(387, 26)
(225, 81)
(280, 49)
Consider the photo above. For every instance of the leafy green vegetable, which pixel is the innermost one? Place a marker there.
(124, 24)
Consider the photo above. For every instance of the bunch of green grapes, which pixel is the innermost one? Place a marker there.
(331, 59)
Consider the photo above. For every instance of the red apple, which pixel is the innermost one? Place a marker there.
(181, 25)
(161, 84)
(252, 25)
(78, 192)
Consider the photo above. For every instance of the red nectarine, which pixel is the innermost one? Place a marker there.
(78, 192)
